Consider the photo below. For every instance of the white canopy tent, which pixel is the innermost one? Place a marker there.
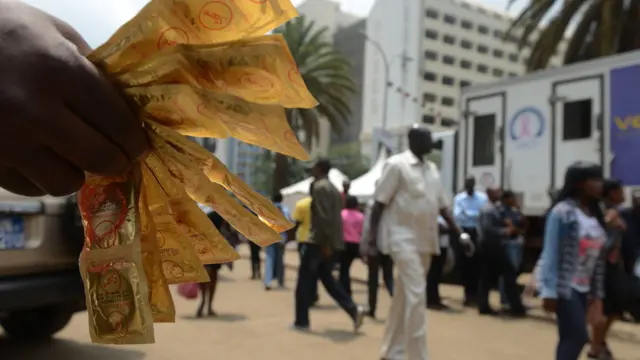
(292, 193)
(364, 186)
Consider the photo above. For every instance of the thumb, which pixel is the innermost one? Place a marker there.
(72, 35)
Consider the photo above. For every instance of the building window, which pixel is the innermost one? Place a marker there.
(498, 72)
(448, 122)
(450, 19)
(498, 53)
(429, 76)
(449, 39)
(431, 34)
(447, 101)
(512, 74)
(513, 57)
(428, 98)
(483, 29)
(465, 64)
(432, 14)
(498, 34)
(466, 44)
(482, 68)
(483, 49)
(428, 119)
(449, 60)
(465, 83)
(448, 80)
(431, 55)
(512, 39)
(466, 24)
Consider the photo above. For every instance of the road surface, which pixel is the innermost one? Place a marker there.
(254, 324)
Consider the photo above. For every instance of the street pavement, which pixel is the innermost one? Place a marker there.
(254, 324)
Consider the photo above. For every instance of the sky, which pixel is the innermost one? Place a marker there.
(96, 20)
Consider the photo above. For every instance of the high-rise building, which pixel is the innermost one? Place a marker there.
(345, 32)
(433, 48)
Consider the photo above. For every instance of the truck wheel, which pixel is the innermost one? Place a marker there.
(36, 324)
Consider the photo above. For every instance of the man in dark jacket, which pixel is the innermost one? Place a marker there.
(325, 240)
(494, 231)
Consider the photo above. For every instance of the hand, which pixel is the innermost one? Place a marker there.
(327, 252)
(60, 116)
(550, 305)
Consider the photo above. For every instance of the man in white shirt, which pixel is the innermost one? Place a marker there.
(411, 196)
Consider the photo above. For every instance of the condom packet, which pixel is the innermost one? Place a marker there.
(165, 23)
(259, 70)
(160, 299)
(111, 266)
(194, 112)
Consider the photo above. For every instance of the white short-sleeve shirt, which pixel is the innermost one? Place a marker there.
(413, 194)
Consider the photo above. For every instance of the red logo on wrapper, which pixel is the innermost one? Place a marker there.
(106, 201)
(215, 15)
(294, 76)
(171, 37)
(111, 281)
(119, 323)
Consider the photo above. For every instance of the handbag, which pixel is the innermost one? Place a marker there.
(188, 290)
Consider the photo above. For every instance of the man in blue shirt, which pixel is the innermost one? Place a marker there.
(466, 210)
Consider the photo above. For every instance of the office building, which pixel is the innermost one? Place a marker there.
(345, 32)
(433, 49)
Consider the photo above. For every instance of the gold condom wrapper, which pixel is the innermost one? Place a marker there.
(160, 300)
(259, 70)
(108, 206)
(168, 196)
(164, 23)
(174, 145)
(180, 263)
(117, 296)
(200, 188)
(195, 112)
(110, 262)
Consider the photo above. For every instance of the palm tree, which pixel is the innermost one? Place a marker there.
(326, 73)
(600, 28)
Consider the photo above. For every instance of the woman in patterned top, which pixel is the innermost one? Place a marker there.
(572, 265)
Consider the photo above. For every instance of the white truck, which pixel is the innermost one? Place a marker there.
(522, 133)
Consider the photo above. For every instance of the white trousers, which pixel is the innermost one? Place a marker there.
(405, 335)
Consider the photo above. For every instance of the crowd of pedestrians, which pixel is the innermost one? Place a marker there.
(585, 274)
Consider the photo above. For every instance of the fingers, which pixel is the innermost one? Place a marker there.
(51, 173)
(83, 146)
(93, 99)
(15, 182)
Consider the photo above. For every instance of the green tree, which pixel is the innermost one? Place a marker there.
(326, 73)
(349, 160)
(265, 167)
(600, 28)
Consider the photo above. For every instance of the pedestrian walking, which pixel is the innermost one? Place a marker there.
(352, 224)
(616, 279)
(466, 210)
(302, 217)
(436, 271)
(494, 231)
(572, 266)
(410, 195)
(326, 239)
(375, 261)
(274, 253)
(513, 245)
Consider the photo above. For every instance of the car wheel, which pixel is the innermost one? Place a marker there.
(36, 324)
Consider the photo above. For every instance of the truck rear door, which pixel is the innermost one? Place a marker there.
(483, 139)
(577, 114)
